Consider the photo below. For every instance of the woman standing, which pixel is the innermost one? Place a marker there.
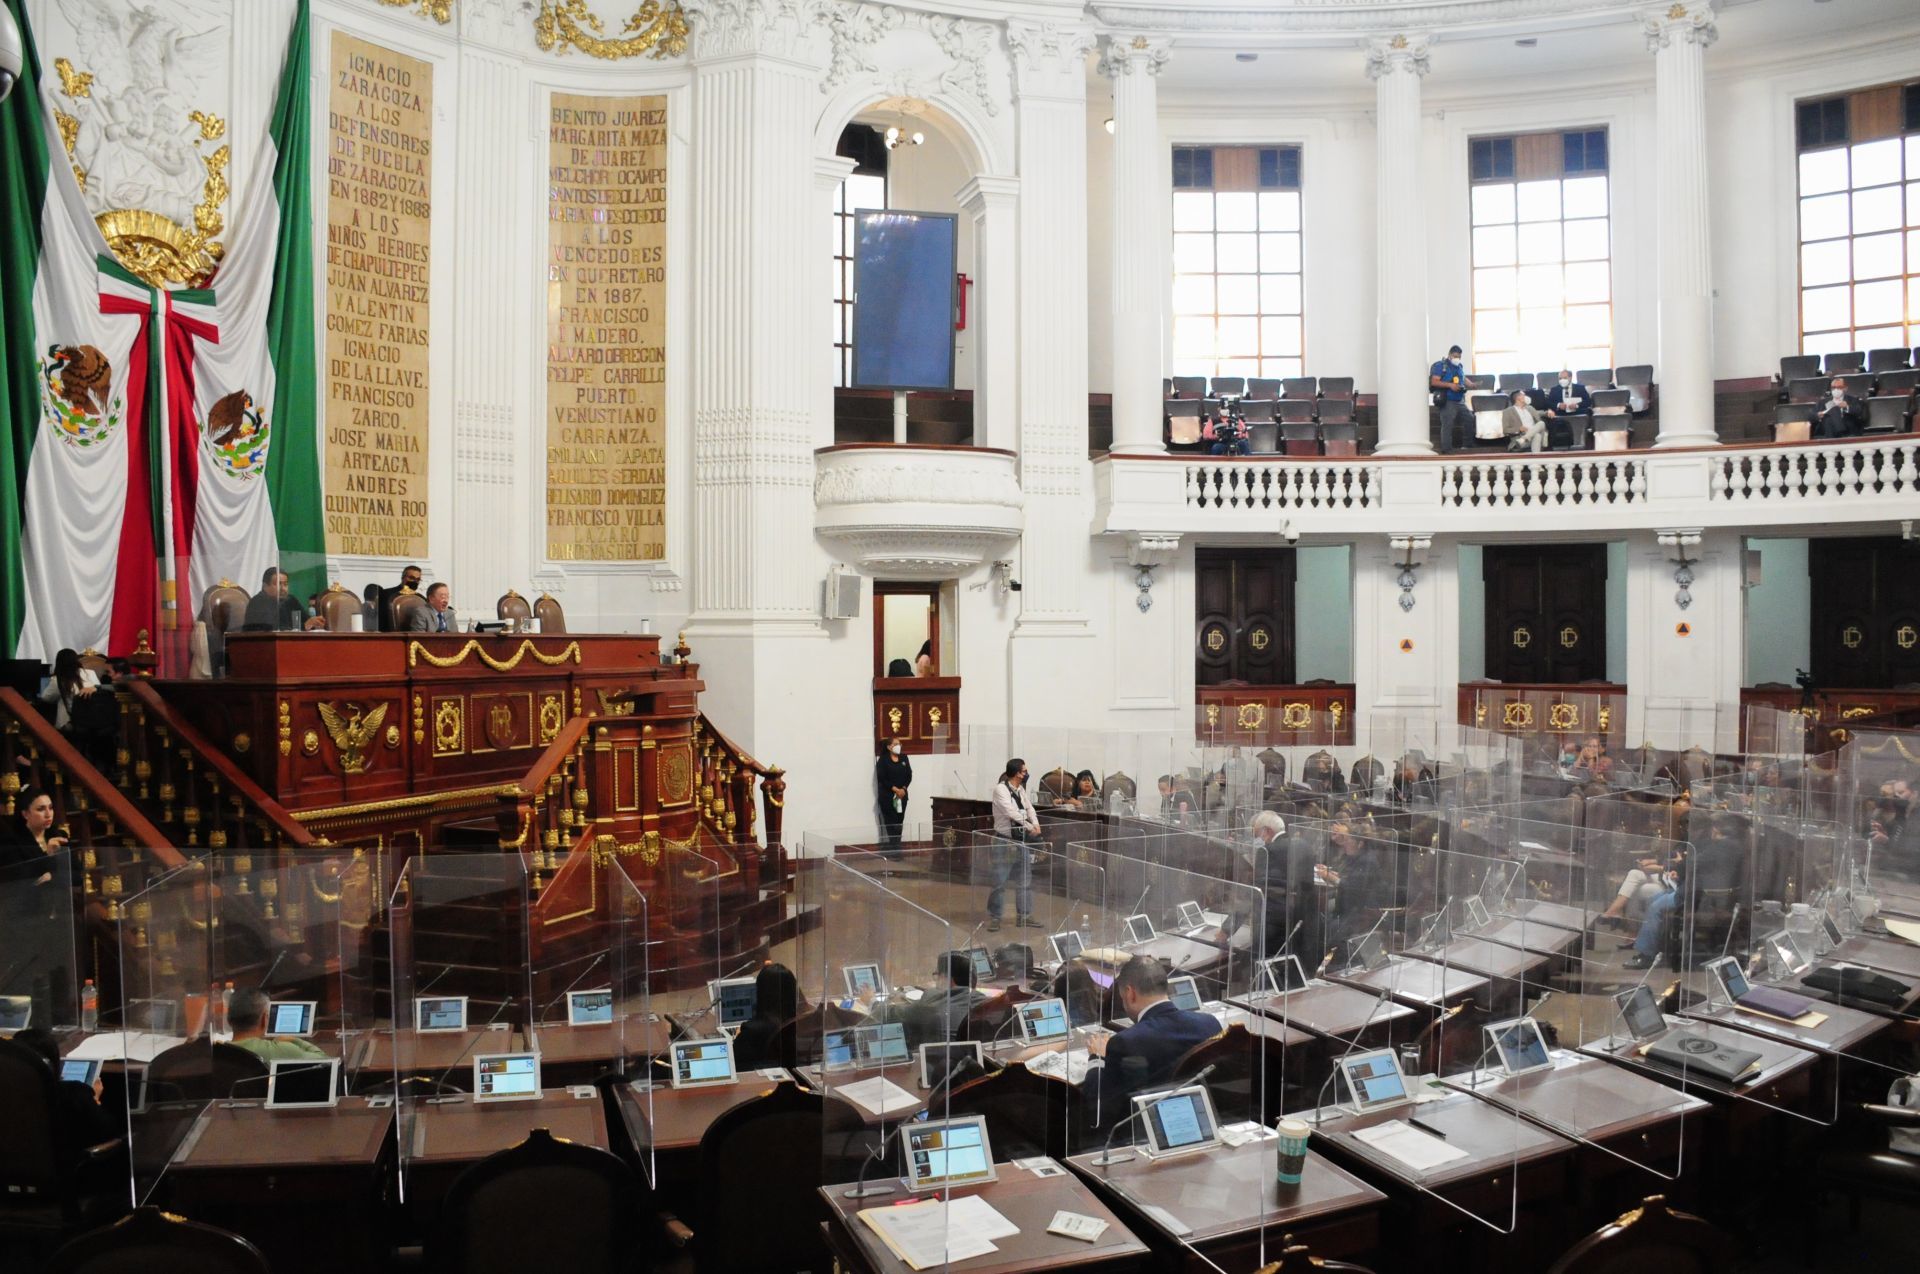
(892, 776)
(1016, 826)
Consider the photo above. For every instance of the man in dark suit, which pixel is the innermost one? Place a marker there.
(1565, 401)
(1841, 414)
(940, 1013)
(1145, 1053)
(409, 580)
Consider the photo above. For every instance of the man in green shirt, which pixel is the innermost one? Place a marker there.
(247, 1015)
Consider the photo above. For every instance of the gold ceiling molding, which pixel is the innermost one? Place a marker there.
(658, 30)
(440, 11)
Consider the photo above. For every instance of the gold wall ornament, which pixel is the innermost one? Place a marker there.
(1851, 637)
(894, 718)
(393, 737)
(440, 11)
(73, 84)
(242, 742)
(1522, 637)
(1336, 710)
(1213, 715)
(1296, 716)
(310, 743)
(448, 728)
(1569, 637)
(1606, 717)
(1906, 636)
(1564, 716)
(1517, 715)
(417, 652)
(286, 728)
(1251, 716)
(1259, 639)
(553, 716)
(656, 30)
(933, 715)
(1216, 639)
(1857, 711)
(676, 774)
(419, 721)
(1479, 715)
(353, 730)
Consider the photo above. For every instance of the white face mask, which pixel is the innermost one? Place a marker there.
(894, 748)
(1566, 380)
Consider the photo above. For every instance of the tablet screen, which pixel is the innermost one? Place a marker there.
(449, 1013)
(1043, 1021)
(737, 997)
(1284, 974)
(1521, 1046)
(589, 1008)
(1182, 993)
(837, 1049)
(702, 1061)
(1067, 946)
(15, 1012)
(506, 1075)
(863, 981)
(1374, 1079)
(1641, 1013)
(982, 963)
(882, 1045)
(940, 1059)
(79, 1072)
(289, 1018)
(1733, 979)
(1139, 929)
(298, 1083)
(954, 1152)
(1191, 917)
(1180, 1121)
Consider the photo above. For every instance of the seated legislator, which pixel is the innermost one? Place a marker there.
(437, 615)
(1145, 1053)
(1361, 880)
(247, 1015)
(1523, 424)
(941, 1012)
(1841, 414)
(409, 581)
(776, 1003)
(81, 1120)
(1568, 398)
(275, 610)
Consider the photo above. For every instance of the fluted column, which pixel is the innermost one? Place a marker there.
(991, 204)
(1395, 66)
(1678, 37)
(1141, 241)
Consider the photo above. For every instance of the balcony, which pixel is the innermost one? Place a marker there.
(904, 513)
(1759, 485)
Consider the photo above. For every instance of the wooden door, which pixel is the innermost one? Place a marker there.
(1546, 612)
(1865, 613)
(1243, 628)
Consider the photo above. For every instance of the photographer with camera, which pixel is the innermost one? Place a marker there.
(1228, 433)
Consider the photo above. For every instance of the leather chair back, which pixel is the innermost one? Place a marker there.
(512, 606)
(553, 619)
(544, 1204)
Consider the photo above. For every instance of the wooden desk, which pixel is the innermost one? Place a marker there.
(1558, 914)
(1220, 1201)
(1588, 1100)
(248, 1138)
(441, 1140)
(1504, 1153)
(1332, 1012)
(902, 1075)
(1487, 959)
(1536, 936)
(1844, 1030)
(669, 1127)
(431, 1053)
(1418, 984)
(1784, 1078)
(575, 1054)
(1884, 952)
(1024, 1199)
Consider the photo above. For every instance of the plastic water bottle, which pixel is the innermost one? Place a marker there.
(1086, 925)
(89, 1007)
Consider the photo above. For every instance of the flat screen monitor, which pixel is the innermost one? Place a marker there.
(1179, 1122)
(982, 961)
(79, 1072)
(1139, 929)
(948, 1152)
(1183, 993)
(1191, 917)
(1067, 946)
(1043, 1021)
(16, 1012)
(837, 1049)
(884, 1044)
(506, 1077)
(440, 1013)
(1641, 1012)
(864, 982)
(1284, 973)
(1373, 1080)
(590, 1008)
(699, 1063)
(290, 1017)
(1521, 1047)
(903, 307)
(299, 1083)
(735, 999)
(937, 1061)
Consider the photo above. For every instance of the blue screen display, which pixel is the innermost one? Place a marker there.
(903, 269)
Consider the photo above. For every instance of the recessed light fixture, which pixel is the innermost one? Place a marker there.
(1109, 125)
(1246, 57)
(1528, 43)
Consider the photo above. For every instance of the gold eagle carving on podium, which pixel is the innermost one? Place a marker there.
(353, 733)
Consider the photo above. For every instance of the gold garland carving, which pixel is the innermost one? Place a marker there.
(658, 30)
(416, 652)
(440, 11)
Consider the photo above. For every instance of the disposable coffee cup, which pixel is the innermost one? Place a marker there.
(1292, 1162)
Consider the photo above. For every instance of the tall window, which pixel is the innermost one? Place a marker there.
(1542, 286)
(864, 187)
(1860, 220)
(1236, 261)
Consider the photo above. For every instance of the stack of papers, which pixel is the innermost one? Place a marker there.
(1401, 1141)
(133, 1046)
(935, 1233)
(877, 1096)
(1062, 1064)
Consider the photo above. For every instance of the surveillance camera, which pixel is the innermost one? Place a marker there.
(12, 53)
(1014, 584)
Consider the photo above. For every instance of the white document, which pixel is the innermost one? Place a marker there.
(1402, 1141)
(1073, 1225)
(134, 1046)
(1062, 1064)
(924, 1235)
(1905, 929)
(877, 1096)
(1041, 1166)
(979, 1218)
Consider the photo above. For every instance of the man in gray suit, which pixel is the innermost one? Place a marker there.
(437, 615)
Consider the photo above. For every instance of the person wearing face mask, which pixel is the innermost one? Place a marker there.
(1565, 401)
(1447, 379)
(1016, 828)
(892, 776)
(1841, 414)
(1524, 426)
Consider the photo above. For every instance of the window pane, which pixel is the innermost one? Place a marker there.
(1540, 242)
(1280, 367)
(1822, 308)
(1192, 211)
(1280, 253)
(1586, 240)
(1589, 325)
(1880, 337)
(1588, 281)
(1540, 285)
(1823, 170)
(1193, 253)
(1492, 204)
(1875, 257)
(1280, 294)
(1193, 294)
(1193, 338)
(1913, 303)
(1280, 210)
(1578, 357)
(1237, 367)
(1876, 209)
(1913, 156)
(1280, 336)
(1493, 245)
(1829, 262)
(1193, 367)
(1239, 337)
(1495, 287)
(1824, 217)
(1543, 329)
(1493, 330)
(1235, 211)
(1877, 303)
(1875, 163)
(1826, 343)
(1236, 254)
(1239, 294)
(1913, 202)
(1538, 200)
(1585, 197)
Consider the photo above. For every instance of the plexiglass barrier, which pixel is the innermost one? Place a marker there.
(40, 979)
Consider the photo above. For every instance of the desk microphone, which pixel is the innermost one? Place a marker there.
(445, 1075)
(591, 966)
(861, 1189)
(1319, 1100)
(1106, 1152)
(238, 1084)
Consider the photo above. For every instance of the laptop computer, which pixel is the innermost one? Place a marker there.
(1066, 946)
(435, 1014)
(1043, 1021)
(937, 1061)
(303, 1083)
(883, 1044)
(590, 1008)
(863, 982)
(16, 1012)
(948, 1152)
(702, 1063)
(1178, 1123)
(1519, 1045)
(506, 1077)
(1374, 1080)
(1772, 1001)
(290, 1019)
(1140, 929)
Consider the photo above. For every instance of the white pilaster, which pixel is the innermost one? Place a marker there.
(1685, 638)
(1678, 37)
(1395, 65)
(992, 204)
(1142, 243)
(828, 172)
(1406, 640)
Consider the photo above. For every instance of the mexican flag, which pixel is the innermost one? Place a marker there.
(156, 439)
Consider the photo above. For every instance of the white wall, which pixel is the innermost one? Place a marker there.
(1778, 634)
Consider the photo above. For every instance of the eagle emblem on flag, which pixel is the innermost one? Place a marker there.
(78, 397)
(237, 433)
